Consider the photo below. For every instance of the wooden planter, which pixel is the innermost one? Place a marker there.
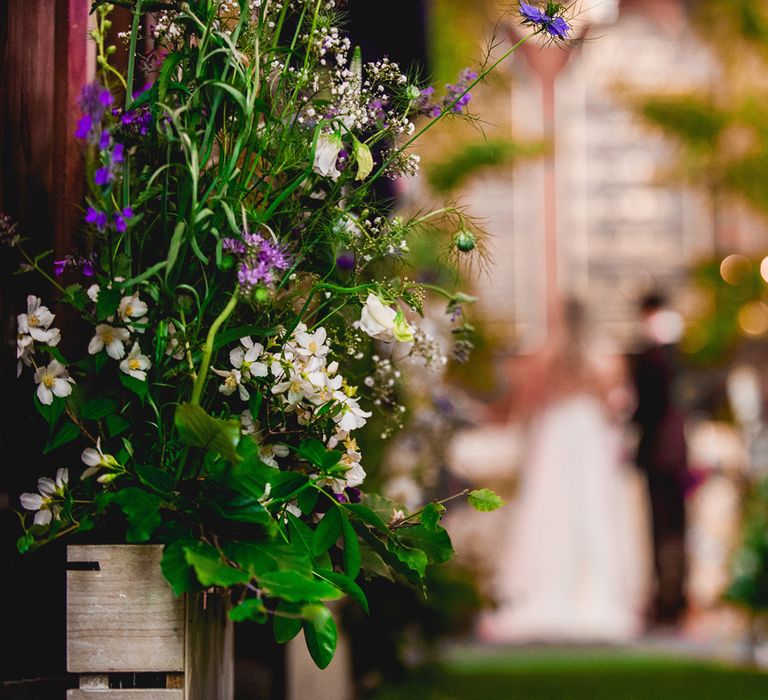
(129, 636)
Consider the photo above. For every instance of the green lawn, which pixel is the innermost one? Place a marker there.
(550, 674)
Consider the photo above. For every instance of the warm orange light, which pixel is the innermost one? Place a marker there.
(735, 269)
(764, 268)
(753, 318)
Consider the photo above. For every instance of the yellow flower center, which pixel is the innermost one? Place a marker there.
(107, 337)
(33, 321)
(129, 310)
(231, 382)
(134, 363)
(49, 380)
(312, 346)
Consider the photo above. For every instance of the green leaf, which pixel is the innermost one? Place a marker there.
(254, 403)
(302, 535)
(137, 386)
(351, 546)
(319, 633)
(307, 499)
(436, 544)
(373, 565)
(430, 516)
(174, 247)
(75, 296)
(250, 609)
(25, 542)
(68, 432)
(287, 621)
(242, 508)
(210, 569)
(50, 412)
(198, 429)
(286, 484)
(157, 479)
(94, 409)
(318, 454)
(261, 558)
(414, 559)
(176, 569)
(141, 509)
(368, 516)
(116, 424)
(297, 588)
(484, 500)
(347, 585)
(107, 302)
(328, 531)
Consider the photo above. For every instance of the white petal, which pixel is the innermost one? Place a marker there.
(115, 349)
(44, 394)
(46, 486)
(62, 477)
(31, 501)
(43, 517)
(62, 387)
(91, 457)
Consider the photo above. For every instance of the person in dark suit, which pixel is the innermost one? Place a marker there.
(662, 454)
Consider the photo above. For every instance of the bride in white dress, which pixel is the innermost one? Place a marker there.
(572, 567)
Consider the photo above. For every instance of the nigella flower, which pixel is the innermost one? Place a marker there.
(549, 20)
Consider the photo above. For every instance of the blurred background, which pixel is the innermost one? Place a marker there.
(615, 391)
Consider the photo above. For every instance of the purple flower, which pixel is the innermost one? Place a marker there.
(94, 100)
(118, 153)
(74, 261)
(84, 125)
(59, 266)
(104, 140)
(97, 218)
(456, 96)
(345, 261)
(260, 260)
(548, 21)
(120, 219)
(558, 28)
(102, 176)
(533, 14)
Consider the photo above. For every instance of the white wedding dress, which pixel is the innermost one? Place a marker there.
(572, 567)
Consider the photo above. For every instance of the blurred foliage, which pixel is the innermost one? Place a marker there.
(723, 134)
(733, 296)
(408, 624)
(749, 585)
(470, 158)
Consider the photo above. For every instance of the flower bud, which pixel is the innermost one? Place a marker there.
(412, 92)
(465, 241)
(111, 49)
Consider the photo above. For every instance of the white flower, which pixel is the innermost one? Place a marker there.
(93, 293)
(383, 322)
(96, 459)
(131, 307)
(136, 364)
(36, 322)
(53, 379)
(232, 381)
(267, 454)
(312, 343)
(326, 153)
(111, 338)
(351, 416)
(245, 359)
(296, 386)
(173, 347)
(45, 502)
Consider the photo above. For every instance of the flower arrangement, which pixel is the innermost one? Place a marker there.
(232, 318)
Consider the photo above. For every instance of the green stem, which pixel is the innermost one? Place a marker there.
(421, 510)
(197, 389)
(132, 53)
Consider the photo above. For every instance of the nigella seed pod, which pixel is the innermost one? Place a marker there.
(465, 241)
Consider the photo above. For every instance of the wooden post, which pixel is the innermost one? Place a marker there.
(126, 629)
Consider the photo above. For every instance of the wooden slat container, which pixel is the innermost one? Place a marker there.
(125, 623)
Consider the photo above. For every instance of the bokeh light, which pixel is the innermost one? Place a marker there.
(753, 318)
(736, 269)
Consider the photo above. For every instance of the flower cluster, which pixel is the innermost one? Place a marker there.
(243, 335)
(261, 260)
